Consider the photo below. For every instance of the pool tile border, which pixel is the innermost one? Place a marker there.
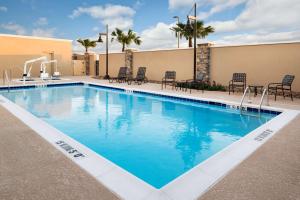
(249, 108)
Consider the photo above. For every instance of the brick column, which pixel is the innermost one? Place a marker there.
(129, 60)
(203, 59)
(87, 64)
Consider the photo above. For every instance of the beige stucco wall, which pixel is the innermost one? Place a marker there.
(15, 50)
(263, 63)
(157, 62)
(116, 60)
(79, 67)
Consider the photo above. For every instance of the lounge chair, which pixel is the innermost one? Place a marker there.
(140, 76)
(238, 81)
(170, 77)
(284, 86)
(122, 75)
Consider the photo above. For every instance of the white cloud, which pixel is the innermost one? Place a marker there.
(175, 4)
(14, 28)
(3, 9)
(259, 22)
(120, 22)
(41, 21)
(48, 32)
(158, 36)
(95, 28)
(138, 4)
(18, 29)
(259, 38)
(113, 46)
(267, 16)
(219, 6)
(114, 15)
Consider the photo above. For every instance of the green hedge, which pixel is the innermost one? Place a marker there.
(205, 86)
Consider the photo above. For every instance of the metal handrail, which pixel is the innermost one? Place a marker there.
(262, 98)
(242, 100)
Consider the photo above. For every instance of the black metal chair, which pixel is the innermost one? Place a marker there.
(238, 81)
(122, 75)
(170, 77)
(140, 76)
(284, 86)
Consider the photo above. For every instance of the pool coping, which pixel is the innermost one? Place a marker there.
(189, 185)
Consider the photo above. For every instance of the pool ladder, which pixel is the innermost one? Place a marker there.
(243, 97)
(247, 90)
(265, 92)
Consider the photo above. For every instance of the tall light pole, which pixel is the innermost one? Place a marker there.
(177, 17)
(194, 18)
(100, 40)
(195, 41)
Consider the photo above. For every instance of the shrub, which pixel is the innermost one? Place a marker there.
(205, 86)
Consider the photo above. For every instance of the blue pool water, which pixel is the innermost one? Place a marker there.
(155, 138)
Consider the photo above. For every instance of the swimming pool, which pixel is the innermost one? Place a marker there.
(155, 138)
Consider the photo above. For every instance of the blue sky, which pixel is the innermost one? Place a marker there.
(235, 21)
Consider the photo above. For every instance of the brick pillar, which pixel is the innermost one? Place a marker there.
(87, 64)
(129, 60)
(203, 59)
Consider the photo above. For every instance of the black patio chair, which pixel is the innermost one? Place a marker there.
(284, 87)
(170, 77)
(140, 76)
(238, 81)
(122, 75)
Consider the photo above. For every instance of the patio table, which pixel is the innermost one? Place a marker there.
(255, 88)
(180, 84)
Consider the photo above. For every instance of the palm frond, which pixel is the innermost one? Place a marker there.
(181, 30)
(86, 43)
(125, 38)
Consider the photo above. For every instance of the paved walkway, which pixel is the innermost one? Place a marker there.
(30, 168)
(271, 173)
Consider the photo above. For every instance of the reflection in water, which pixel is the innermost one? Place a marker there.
(154, 138)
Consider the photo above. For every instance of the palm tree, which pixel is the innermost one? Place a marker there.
(125, 39)
(187, 31)
(86, 43)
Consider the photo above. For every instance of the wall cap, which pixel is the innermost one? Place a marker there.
(34, 37)
(167, 49)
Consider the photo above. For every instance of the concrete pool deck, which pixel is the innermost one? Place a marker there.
(33, 169)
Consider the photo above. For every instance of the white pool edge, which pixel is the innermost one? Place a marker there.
(189, 185)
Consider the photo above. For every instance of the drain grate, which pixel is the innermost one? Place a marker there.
(263, 135)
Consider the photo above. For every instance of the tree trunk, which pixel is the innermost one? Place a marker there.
(123, 47)
(190, 42)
